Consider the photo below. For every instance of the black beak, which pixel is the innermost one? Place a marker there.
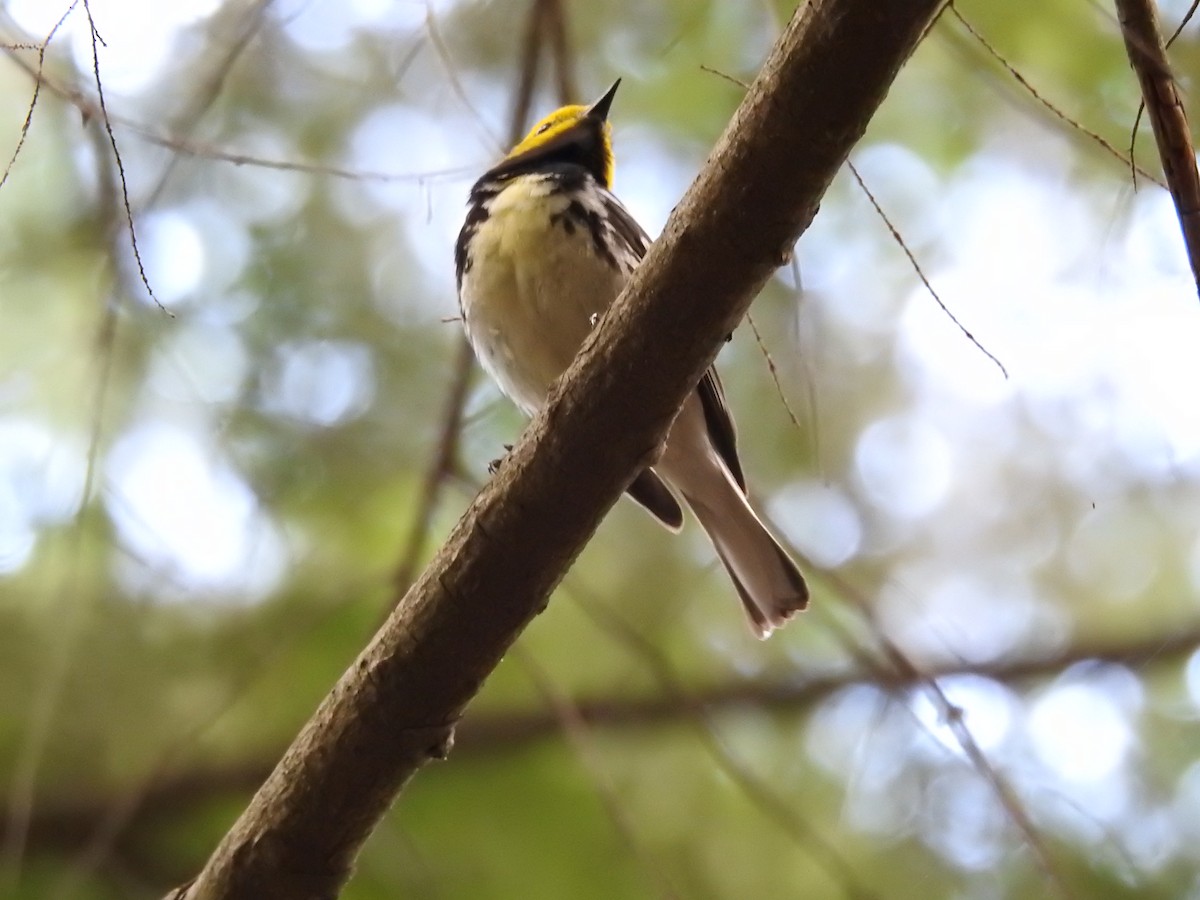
(599, 109)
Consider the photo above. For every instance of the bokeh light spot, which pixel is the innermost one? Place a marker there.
(904, 465)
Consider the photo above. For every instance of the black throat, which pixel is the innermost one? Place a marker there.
(581, 147)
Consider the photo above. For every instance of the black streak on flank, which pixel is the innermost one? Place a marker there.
(565, 221)
(477, 214)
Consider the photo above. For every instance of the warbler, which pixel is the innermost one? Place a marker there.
(545, 248)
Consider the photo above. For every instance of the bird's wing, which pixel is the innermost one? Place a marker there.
(625, 228)
(719, 422)
(656, 498)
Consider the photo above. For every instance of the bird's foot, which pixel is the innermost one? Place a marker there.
(494, 465)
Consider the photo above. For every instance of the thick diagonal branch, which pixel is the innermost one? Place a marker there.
(395, 707)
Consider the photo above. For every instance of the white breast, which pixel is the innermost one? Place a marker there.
(533, 288)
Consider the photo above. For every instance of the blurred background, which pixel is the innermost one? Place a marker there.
(209, 494)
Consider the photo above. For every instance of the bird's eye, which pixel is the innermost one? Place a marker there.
(543, 128)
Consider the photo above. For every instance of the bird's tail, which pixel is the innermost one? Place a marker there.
(768, 581)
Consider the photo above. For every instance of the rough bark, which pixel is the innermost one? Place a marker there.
(395, 708)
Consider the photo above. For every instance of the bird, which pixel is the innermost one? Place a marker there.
(544, 249)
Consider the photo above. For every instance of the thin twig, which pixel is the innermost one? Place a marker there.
(725, 75)
(21, 807)
(72, 618)
(774, 370)
(1050, 107)
(1187, 17)
(531, 54)
(575, 730)
(205, 91)
(904, 669)
(1004, 793)
(37, 85)
(555, 22)
(203, 150)
(451, 70)
(112, 140)
(896, 236)
(442, 465)
(102, 840)
(167, 785)
(903, 246)
(755, 789)
(68, 823)
(810, 380)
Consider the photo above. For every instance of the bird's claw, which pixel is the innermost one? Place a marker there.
(494, 465)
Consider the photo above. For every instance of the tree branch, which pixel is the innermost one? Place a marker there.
(72, 821)
(1148, 56)
(396, 706)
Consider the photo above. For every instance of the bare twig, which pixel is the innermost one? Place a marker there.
(555, 22)
(169, 786)
(761, 794)
(60, 658)
(904, 669)
(575, 730)
(244, 25)
(442, 465)
(74, 821)
(37, 85)
(443, 55)
(114, 196)
(798, 693)
(1050, 107)
(91, 110)
(920, 273)
(744, 85)
(531, 54)
(896, 236)
(774, 372)
(112, 140)
(1187, 17)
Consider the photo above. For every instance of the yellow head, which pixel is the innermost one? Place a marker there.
(578, 135)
